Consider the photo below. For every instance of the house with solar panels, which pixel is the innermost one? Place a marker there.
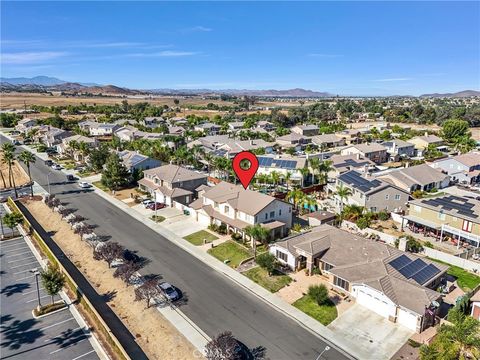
(371, 193)
(448, 218)
(134, 161)
(464, 168)
(392, 283)
(282, 165)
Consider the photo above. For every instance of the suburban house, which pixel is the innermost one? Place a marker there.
(98, 129)
(464, 168)
(399, 149)
(127, 133)
(395, 284)
(293, 140)
(420, 177)
(176, 131)
(172, 185)
(475, 302)
(177, 120)
(237, 208)
(321, 217)
(235, 126)
(328, 141)
(344, 163)
(373, 194)
(373, 151)
(225, 146)
(65, 146)
(135, 161)
(423, 142)
(351, 136)
(448, 216)
(208, 128)
(282, 165)
(53, 136)
(153, 122)
(25, 125)
(306, 130)
(265, 125)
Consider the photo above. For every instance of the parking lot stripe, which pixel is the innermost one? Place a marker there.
(55, 337)
(41, 297)
(75, 343)
(21, 272)
(32, 262)
(25, 252)
(15, 261)
(78, 357)
(22, 243)
(58, 323)
(24, 278)
(15, 251)
(29, 292)
(13, 247)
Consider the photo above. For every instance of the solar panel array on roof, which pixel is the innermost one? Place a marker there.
(362, 184)
(460, 204)
(417, 270)
(278, 163)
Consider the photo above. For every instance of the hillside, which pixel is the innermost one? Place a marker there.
(460, 94)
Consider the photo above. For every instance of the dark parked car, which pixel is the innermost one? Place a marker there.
(48, 162)
(155, 206)
(70, 177)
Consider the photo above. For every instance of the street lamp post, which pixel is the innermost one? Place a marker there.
(48, 182)
(320, 355)
(36, 273)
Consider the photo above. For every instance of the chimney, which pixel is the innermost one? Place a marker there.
(358, 156)
(426, 133)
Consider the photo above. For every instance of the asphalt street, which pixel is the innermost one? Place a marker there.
(214, 302)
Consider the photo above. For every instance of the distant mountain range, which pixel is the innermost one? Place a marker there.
(460, 94)
(46, 84)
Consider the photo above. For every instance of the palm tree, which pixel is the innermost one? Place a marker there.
(324, 168)
(275, 176)
(73, 145)
(304, 171)
(287, 178)
(310, 202)
(84, 149)
(8, 158)
(343, 193)
(314, 164)
(27, 158)
(257, 233)
(295, 196)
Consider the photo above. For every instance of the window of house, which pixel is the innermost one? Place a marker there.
(441, 215)
(397, 197)
(340, 283)
(387, 196)
(282, 256)
(227, 209)
(256, 218)
(327, 266)
(187, 199)
(280, 212)
(289, 209)
(272, 214)
(373, 209)
(467, 226)
(266, 216)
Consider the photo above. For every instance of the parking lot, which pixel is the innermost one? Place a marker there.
(55, 336)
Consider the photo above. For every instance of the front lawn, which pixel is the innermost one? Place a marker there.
(231, 251)
(198, 237)
(271, 283)
(99, 185)
(465, 279)
(324, 314)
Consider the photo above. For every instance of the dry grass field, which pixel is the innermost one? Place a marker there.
(20, 176)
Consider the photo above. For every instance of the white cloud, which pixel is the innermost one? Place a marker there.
(199, 29)
(392, 79)
(30, 57)
(165, 53)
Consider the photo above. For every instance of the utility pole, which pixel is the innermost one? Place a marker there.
(36, 273)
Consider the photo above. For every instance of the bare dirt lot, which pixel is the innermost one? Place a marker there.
(20, 176)
(157, 337)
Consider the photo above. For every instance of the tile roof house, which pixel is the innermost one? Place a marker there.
(236, 125)
(282, 164)
(372, 193)
(53, 136)
(208, 128)
(153, 122)
(64, 146)
(373, 151)
(237, 208)
(344, 163)
(98, 129)
(293, 140)
(393, 283)
(172, 185)
(464, 168)
(306, 130)
(455, 217)
(399, 149)
(225, 146)
(328, 141)
(266, 125)
(420, 177)
(25, 124)
(422, 142)
(134, 161)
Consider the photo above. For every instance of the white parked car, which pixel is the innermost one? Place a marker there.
(147, 202)
(56, 167)
(84, 184)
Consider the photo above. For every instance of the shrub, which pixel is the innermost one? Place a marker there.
(267, 261)
(297, 227)
(413, 245)
(383, 215)
(417, 194)
(236, 237)
(316, 271)
(363, 223)
(213, 227)
(428, 244)
(222, 229)
(318, 293)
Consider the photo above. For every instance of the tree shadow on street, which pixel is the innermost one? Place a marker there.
(14, 289)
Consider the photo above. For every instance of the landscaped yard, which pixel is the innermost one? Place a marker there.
(272, 283)
(198, 237)
(466, 280)
(325, 314)
(230, 251)
(99, 185)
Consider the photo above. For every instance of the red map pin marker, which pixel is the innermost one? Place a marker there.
(245, 165)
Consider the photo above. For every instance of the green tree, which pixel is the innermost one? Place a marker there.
(98, 158)
(318, 293)
(115, 174)
(267, 261)
(458, 340)
(53, 281)
(12, 220)
(27, 158)
(453, 129)
(257, 233)
(8, 158)
(343, 193)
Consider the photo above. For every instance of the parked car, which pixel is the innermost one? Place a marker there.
(84, 185)
(48, 162)
(70, 177)
(56, 167)
(169, 291)
(155, 206)
(16, 142)
(147, 202)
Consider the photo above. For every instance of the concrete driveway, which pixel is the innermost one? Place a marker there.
(371, 332)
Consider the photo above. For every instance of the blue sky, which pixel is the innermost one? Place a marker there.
(350, 48)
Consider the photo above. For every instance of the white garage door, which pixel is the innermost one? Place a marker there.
(407, 319)
(372, 303)
(203, 219)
